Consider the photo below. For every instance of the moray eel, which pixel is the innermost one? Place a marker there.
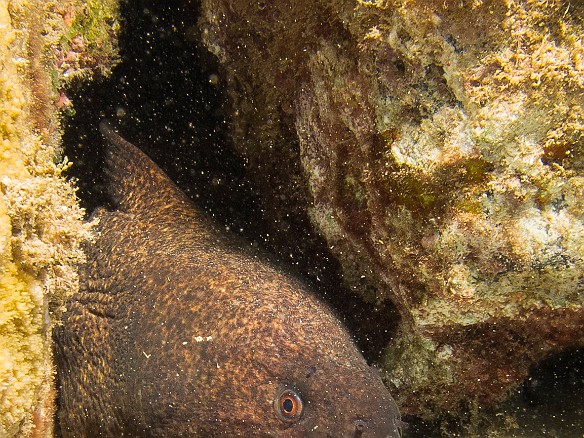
(179, 331)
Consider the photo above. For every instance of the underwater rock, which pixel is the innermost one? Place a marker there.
(41, 226)
(438, 148)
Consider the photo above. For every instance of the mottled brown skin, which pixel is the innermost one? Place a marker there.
(178, 331)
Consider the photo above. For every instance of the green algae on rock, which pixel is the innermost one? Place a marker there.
(437, 147)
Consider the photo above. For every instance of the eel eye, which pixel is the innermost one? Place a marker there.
(289, 405)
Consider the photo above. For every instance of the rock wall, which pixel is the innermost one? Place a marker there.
(438, 148)
(41, 226)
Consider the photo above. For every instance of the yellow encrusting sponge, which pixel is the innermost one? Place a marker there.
(41, 223)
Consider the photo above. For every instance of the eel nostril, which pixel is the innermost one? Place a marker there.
(359, 428)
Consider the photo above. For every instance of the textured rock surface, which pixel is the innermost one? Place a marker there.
(41, 224)
(438, 148)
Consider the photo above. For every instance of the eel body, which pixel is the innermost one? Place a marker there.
(179, 331)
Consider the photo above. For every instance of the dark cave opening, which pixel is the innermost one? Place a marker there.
(163, 87)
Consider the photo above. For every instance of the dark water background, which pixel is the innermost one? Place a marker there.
(169, 91)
